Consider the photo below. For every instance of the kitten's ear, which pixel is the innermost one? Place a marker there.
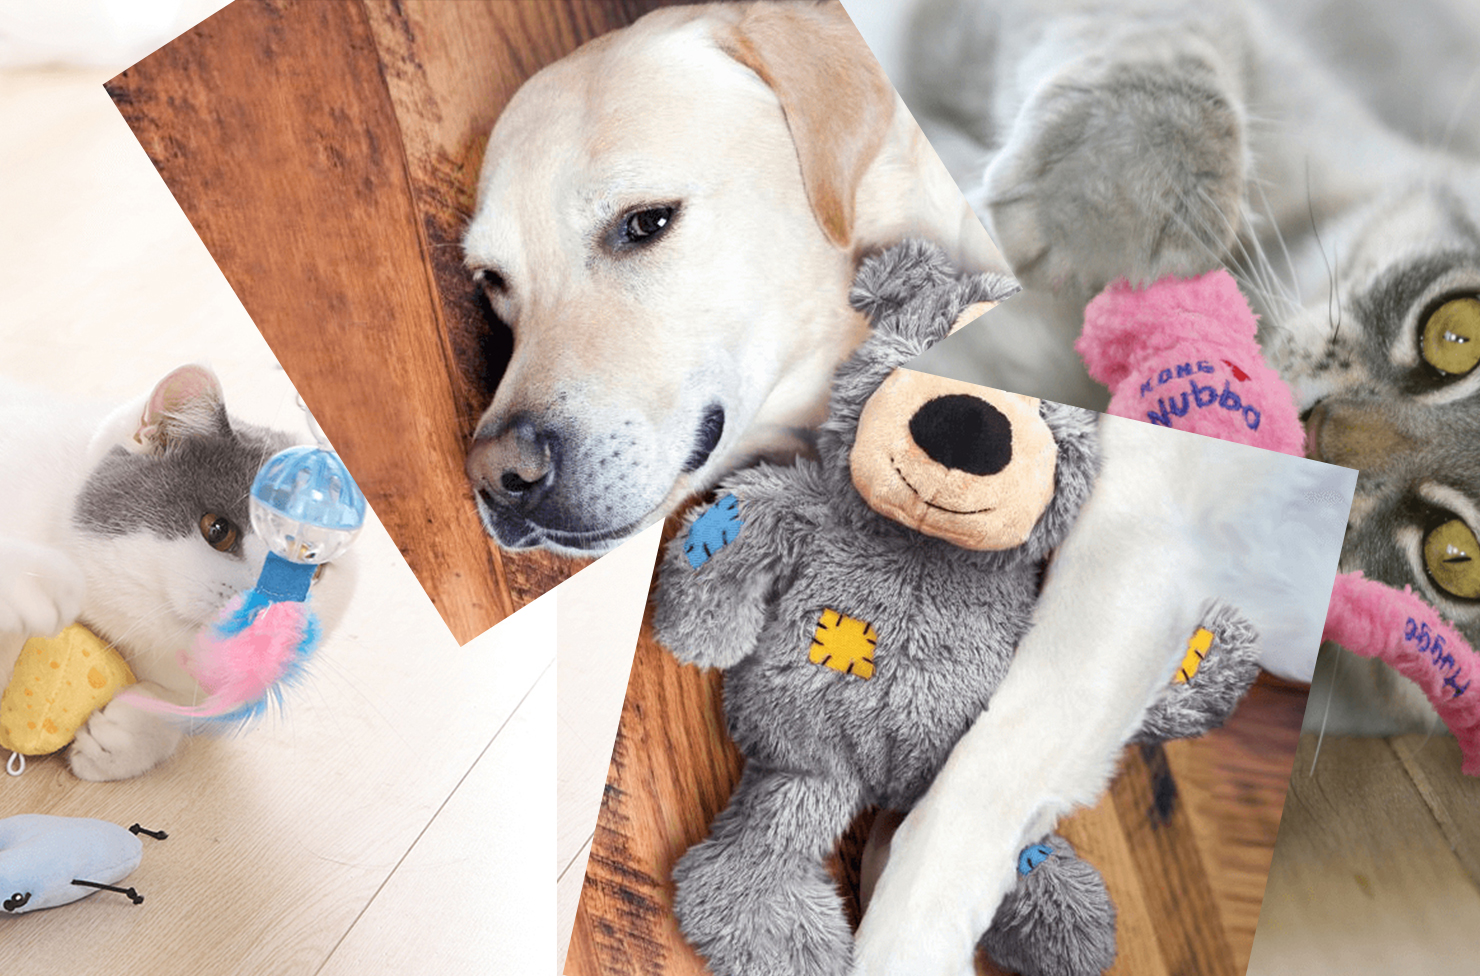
(186, 403)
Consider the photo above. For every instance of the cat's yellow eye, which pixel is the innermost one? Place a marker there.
(219, 531)
(1452, 557)
(1451, 336)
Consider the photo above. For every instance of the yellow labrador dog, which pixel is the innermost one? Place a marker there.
(669, 220)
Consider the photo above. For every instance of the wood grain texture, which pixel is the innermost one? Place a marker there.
(327, 154)
(1183, 838)
(1375, 868)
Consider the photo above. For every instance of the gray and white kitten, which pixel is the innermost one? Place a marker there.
(132, 520)
(1148, 137)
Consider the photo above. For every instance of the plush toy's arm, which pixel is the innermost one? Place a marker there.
(726, 564)
(1221, 662)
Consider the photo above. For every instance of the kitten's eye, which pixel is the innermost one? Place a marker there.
(644, 226)
(1451, 336)
(219, 531)
(1452, 557)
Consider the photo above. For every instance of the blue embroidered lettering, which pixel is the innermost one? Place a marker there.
(1229, 400)
(1251, 422)
(1184, 369)
(1165, 376)
(1197, 395)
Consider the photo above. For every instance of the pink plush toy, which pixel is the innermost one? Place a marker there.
(1375, 620)
(1181, 353)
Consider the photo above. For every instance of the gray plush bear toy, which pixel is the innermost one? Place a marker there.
(865, 606)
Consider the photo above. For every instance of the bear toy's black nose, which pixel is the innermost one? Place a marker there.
(964, 433)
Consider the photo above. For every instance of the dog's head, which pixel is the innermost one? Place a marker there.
(665, 221)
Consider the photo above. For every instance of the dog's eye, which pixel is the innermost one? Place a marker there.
(219, 531)
(1451, 337)
(1452, 557)
(644, 225)
(490, 280)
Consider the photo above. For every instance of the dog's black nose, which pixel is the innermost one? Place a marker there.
(963, 432)
(515, 467)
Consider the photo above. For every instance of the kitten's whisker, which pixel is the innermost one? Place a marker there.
(1297, 299)
(1321, 736)
(1332, 294)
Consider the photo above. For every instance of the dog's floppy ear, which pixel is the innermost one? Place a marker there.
(837, 101)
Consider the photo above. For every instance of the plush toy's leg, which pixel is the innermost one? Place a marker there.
(1222, 661)
(1058, 921)
(755, 896)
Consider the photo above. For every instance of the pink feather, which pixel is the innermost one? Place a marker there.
(239, 671)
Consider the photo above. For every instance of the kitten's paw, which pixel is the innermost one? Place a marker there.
(1131, 169)
(120, 742)
(41, 589)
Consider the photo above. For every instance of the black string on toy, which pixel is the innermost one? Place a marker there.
(133, 895)
(156, 834)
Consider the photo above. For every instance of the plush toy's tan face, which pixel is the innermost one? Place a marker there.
(954, 460)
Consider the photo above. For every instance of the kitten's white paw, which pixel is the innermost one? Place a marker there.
(120, 742)
(41, 588)
(1129, 169)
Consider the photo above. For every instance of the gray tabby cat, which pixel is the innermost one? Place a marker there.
(132, 520)
(1148, 137)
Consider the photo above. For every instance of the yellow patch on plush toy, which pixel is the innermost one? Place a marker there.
(1197, 649)
(57, 683)
(844, 644)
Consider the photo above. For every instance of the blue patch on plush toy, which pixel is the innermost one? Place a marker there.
(1033, 856)
(49, 861)
(713, 530)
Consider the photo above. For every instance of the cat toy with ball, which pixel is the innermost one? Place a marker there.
(308, 510)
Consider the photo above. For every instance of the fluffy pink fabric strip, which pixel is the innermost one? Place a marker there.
(1182, 352)
(1375, 620)
(240, 669)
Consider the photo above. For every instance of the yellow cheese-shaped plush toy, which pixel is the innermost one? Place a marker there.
(57, 683)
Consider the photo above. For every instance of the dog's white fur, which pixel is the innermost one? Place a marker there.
(1175, 519)
(742, 302)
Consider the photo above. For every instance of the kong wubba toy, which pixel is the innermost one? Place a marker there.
(1163, 350)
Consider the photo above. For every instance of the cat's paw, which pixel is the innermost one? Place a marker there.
(120, 742)
(1132, 168)
(41, 588)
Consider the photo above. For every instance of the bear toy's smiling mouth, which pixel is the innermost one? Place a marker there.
(941, 508)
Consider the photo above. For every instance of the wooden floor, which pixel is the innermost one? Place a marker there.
(1377, 868)
(1184, 838)
(327, 153)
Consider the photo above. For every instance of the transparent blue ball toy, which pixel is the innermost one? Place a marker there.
(308, 510)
